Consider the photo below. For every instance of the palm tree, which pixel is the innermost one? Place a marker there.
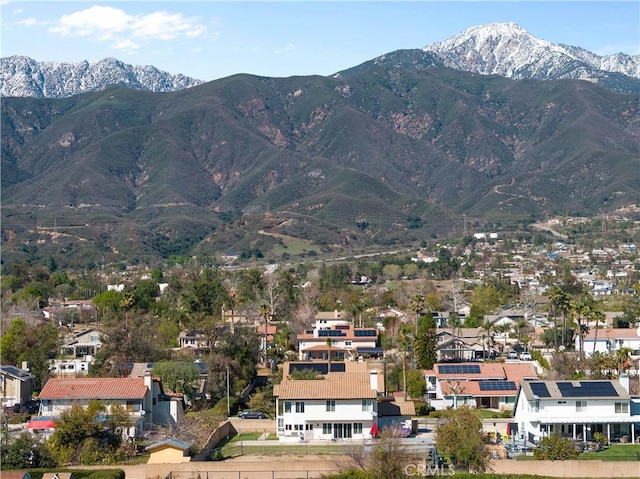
(264, 310)
(489, 327)
(329, 343)
(416, 305)
(598, 316)
(560, 302)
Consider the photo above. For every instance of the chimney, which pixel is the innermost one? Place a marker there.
(25, 366)
(373, 380)
(624, 381)
(148, 381)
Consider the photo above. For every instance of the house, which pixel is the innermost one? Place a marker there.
(341, 341)
(341, 403)
(143, 398)
(479, 385)
(169, 451)
(396, 411)
(608, 340)
(69, 367)
(575, 409)
(193, 339)
(16, 385)
(462, 344)
(84, 343)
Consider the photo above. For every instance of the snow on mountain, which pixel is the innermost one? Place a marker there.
(24, 77)
(507, 49)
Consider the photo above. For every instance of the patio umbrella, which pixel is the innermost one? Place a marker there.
(375, 432)
(508, 429)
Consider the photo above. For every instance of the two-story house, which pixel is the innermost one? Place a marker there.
(16, 385)
(341, 403)
(143, 398)
(607, 340)
(575, 409)
(340, 342)
(83, 343)
(482, 385)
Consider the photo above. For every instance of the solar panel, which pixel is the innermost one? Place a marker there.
(364, 332)
(459, 368)
(540, 390)
(319, 368)
(587, 389)
(330, 333)
(497, 386)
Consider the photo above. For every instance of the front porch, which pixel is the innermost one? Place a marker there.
(618, 430)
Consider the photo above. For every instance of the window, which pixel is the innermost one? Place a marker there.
(357, 428)
(280, 424)
(347, 343)
(299, 406)
(622, 408)
(367, 405)
(288, 427)
(535, 406)
(287, 406)
(331, 406)
(326, 428)
(581, 406)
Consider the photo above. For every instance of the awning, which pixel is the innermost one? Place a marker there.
(41, 424)
(365, 350)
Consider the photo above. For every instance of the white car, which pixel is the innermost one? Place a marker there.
(525, 356)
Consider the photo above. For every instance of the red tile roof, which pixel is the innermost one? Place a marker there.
(94, 388)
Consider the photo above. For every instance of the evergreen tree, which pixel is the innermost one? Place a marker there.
(425, 343)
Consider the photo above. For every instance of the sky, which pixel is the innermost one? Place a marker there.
(209, 39)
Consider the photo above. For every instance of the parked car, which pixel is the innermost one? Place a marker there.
(512, 355)
(525, 356)
(251, 414)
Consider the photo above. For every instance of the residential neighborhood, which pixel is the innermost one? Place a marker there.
(528, 340)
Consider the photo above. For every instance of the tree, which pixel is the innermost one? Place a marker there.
(178, 377)
(425, 343)
(416, 385)
(560, 302)
(461, 436)
(388, 457)
(81, 437)
(416, 305)
(555, 448)
(23, 452)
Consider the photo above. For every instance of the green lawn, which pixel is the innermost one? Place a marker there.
(616, 452)
(246, 436)
(236, 448)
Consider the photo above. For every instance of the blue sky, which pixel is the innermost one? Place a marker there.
(214, 39)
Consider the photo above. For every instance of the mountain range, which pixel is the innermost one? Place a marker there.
(504, 49)
(386, 154)
(24, 77)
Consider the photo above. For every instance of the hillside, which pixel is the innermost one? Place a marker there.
(388, 153)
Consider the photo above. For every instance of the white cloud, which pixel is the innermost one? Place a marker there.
(289, 47)
(124, 31)
(31, 22)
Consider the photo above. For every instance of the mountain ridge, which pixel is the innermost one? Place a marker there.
(382, 154)
(22, 76)
(509, 50)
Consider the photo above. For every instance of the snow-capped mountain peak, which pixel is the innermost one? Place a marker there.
(24, 77)
(509, 50)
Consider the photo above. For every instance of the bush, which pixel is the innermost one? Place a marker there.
(423, 409)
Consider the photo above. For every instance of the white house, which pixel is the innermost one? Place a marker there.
(608, 340)
(339, 404)
(83, 343)
(342, 342)
(491, 385)
(70, 367)
(575, 409)
(142, 398)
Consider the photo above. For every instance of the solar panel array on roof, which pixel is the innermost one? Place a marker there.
(459, 368)
(570, 389)
(319, 368)
(497, 386)
(330, 333)
(540, 390)
(364, 332)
